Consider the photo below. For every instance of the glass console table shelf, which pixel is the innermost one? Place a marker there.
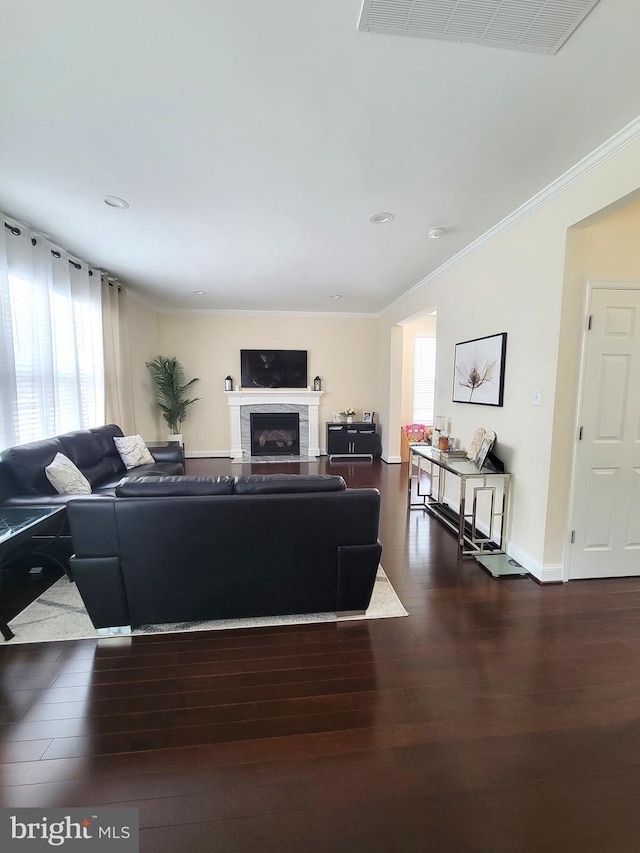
(18, 525)
(483, 496)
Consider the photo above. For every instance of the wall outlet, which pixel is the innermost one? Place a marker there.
(200, 437)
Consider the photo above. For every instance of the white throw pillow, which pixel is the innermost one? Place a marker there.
(66, 478)
(133, 451)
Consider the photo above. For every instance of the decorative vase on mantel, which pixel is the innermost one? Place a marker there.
(349, 419)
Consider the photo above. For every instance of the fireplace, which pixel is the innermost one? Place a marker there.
(273, 401)
(275, 434)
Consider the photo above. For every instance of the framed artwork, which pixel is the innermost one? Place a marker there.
(367, 417)
(478, 370)
(337, 419)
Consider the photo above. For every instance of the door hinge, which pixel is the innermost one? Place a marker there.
(573, 537)
(580, 434)
(589, 322)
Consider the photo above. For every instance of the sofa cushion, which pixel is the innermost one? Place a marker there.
(66, 478)
(105, 436)
(134, 487)
(82, 448)
(26, 463)
(133, 451)
(270, 484)
(86, 451)
(158, 469)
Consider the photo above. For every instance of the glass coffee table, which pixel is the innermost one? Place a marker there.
(19, 525)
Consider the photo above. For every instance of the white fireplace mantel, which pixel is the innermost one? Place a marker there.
(272, 396)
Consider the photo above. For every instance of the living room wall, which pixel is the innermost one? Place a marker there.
(603, 247)
(342, 350)
(513, 281)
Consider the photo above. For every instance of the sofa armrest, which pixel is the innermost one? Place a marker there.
(100, 584)
(357, 569)
(171, 452)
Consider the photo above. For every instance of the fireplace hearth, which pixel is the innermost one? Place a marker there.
(275, 434)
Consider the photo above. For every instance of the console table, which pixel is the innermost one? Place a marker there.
(20, 524)
(471, 483)
(355, 439)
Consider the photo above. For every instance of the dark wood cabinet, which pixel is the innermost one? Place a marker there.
(356, 439)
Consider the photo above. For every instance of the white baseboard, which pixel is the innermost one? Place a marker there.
(391, 460)
(542, 573)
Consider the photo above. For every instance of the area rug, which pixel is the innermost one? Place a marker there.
(59, 614)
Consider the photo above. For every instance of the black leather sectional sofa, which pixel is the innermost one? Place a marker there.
(23, 480)
(183, 549)
(153, 546)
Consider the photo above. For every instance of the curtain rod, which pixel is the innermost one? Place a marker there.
(56, 254)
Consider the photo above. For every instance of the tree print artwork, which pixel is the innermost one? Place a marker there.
(478, 375)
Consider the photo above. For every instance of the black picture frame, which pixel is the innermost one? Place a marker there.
(478, 370)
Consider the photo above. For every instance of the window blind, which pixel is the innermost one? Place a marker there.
(51, 378)
(424, 380)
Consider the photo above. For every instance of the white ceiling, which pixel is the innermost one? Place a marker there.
(254, 139)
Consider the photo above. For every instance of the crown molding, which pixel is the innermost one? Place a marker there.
(616, 143)
(256, 312)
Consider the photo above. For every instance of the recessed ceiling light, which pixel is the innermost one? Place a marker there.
(434, 233)
(336, 296)
(114, 201)
(381, 218)
(199, 292)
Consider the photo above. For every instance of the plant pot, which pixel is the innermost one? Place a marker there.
(349, 419)
(175, 437)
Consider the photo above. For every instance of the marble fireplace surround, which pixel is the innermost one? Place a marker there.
(273, 400)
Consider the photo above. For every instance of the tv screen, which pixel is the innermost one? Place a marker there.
(273, 368)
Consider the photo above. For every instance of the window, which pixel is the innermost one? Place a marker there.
(424, 380)
(51, 365)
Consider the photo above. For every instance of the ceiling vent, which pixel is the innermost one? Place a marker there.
(539, 26)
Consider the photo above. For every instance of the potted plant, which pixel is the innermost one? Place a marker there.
(170, 385)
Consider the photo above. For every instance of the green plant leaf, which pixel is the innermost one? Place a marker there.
(170, 386)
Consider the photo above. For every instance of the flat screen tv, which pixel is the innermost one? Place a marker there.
(273, 368)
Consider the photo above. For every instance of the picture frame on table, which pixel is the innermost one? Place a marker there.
(485, 448)
(476, 443)
(478, 370)
(367, 417)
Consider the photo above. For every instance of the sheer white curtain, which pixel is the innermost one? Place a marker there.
(119, 408)
(51, 362)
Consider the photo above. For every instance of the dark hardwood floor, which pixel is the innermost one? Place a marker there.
(498, 716)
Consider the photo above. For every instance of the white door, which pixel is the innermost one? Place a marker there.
(606, 512)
